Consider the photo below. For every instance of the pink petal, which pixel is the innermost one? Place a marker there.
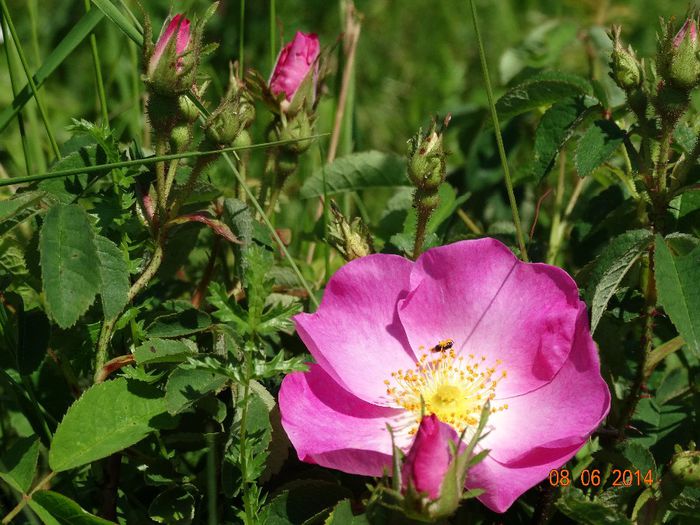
(561, 414)
(356, 335)
(429, 457)
(293, 64)
(330, 427)
(491, 304)
(504, 484)
(180, 24)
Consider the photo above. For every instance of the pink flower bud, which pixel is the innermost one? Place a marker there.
(293, 64)
(689, 28)
(178, 24)
(429, 458)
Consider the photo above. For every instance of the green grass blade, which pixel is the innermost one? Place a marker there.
(80, 31)
(30, 80)
(122, 22)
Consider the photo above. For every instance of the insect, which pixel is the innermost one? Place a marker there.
(443, 345)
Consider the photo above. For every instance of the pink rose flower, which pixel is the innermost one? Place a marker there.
(293, 64)
(689, 28)
(178, 24)
(511, 332)
(429, 457)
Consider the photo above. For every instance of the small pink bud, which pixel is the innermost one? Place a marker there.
(293, 64)
(429, 458)
(689, 28)
(178, 24)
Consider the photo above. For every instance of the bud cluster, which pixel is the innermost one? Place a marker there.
(235, 114)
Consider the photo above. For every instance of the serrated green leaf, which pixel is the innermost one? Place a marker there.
(114, 277)
(68, 256)
(56, 509)
(358, 171)
(678, 287)
(19, 202)
(574, 504)
(300, 500)
(178, 324)
(18, 464)
(597, 145)
(107, 418)
(65, 189)
(174, 506)
(157, 350)
(611, 266)
(342, 515)
(188, 385)
(541, 90)
(554, 130)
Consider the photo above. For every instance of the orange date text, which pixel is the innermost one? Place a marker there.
(594, 478)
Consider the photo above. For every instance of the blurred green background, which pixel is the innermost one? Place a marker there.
(415, 58)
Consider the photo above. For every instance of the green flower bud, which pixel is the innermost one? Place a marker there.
(352, 240)
(677, 57)
(685, 467)
(180, 137)
(427, 159)
(296, 129)
(188, 109)
(625, 68)
(235, 113)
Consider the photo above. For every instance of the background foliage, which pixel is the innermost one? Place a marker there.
(187, 431)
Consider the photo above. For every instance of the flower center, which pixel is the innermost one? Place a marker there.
(454, 388)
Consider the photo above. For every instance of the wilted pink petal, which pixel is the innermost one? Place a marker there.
(180, 24)
(429, 457)
(464, 324)
(294, 63)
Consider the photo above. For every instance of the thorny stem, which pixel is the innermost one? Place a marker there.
(556, 232)
(423, 216)
(140, 284)
(243, 435)
(649, 286)
(160, 177)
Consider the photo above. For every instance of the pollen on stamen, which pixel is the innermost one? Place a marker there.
(454, 388)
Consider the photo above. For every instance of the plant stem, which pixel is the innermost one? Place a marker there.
(556, 232)
(273, 23)
(241, 37)
(423, 216)
(242, 437)
(98, 74)
(211, 477)
(20, 119)
(649, 287)
(140, 284)
(499, 138)
(30, 78)
(161, 146)
(145, 161)
(16, 510)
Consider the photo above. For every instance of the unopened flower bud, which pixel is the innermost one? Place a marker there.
(352, 240)
(297, 129)
(426, 159)
(625, 68)
(678, 61)
(180, 137)
(235, 113)
(296, 61)
(188, 109)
